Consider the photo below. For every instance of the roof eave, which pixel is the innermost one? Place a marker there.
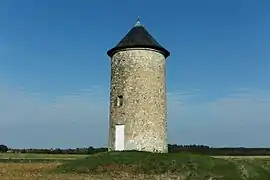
(162, 50)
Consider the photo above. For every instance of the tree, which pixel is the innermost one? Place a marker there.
(3, 148)
(90, 150)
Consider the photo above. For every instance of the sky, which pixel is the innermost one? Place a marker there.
(55, 73)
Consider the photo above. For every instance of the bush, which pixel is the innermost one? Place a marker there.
(3, 148)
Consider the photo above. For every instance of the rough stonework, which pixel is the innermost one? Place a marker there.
(138, 76)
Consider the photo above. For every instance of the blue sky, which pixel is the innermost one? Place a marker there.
(55, 74)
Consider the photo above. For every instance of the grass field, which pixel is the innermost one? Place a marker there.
(243, 157)
(39, 156)
(132, 165)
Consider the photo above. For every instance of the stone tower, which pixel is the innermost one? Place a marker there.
(138, 93)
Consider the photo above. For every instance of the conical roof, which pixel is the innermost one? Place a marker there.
(138, 37)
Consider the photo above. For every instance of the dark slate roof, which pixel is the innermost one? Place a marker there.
(138, 37)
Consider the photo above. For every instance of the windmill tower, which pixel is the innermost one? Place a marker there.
(138, 113)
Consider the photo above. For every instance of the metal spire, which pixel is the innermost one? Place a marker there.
(138, 22)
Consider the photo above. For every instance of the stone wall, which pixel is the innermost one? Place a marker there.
(139, 76)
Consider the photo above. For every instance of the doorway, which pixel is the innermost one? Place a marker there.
(119, 137)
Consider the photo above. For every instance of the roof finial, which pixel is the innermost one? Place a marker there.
(138, 22)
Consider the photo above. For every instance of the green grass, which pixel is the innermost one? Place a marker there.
(192, 167)
(186, 166)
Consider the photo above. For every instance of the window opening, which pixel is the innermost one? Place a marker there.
(119, 101)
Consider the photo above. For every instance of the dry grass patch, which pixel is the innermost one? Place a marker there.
(40, 156)
(39, 171)
(242, 157)
(33, 171)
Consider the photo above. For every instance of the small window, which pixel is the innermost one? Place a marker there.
(119, 101)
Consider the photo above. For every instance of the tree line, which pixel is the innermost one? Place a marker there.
(173, 148)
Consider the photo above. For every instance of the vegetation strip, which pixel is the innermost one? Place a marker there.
(32, 160)
(133, 165)
(187, 165)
